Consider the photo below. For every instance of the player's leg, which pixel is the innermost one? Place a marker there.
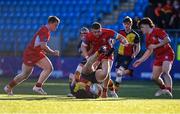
(109, 85)
(25, 73)
(166, 67)
(87, 68)
(111, 88)
(47, 67)
(157, 71)
(74, 77)
(121, 65)
(102, 75)
(71, 83)
(78, 71)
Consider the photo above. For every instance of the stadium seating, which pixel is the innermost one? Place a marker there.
(21, 18)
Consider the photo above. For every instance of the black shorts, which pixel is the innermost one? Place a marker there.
(123, 61)
(90, 77)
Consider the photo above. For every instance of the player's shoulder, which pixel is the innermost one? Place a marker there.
(156, 29)
(43, 28)
(133, 31)
(89, 36)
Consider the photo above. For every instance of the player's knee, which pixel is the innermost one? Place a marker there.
(165, 71)
(50, 69)
(101, 78)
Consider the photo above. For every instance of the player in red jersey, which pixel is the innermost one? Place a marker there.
(157, 41)
(99, 37)
(34, 55)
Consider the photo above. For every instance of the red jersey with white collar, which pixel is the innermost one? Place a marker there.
(155, 37)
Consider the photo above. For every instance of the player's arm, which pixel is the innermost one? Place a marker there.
(162, 37)
(163, 42)
(122, 39)
(137, 46)
(137, 49)
(84, 49)
(49, 50)
(145, 56)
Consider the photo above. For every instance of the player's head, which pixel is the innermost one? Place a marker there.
(127, 23)
(96, 29)
(81, 90)
(53, 22)
(83, 32)
(146, 25)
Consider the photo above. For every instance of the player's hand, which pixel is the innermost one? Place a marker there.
(152, 47)
(56, 53)
(137, 63)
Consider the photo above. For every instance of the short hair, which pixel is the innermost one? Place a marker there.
(96, 25)
(146, 21)
(127, 19)
(53, 19)
(84, 30)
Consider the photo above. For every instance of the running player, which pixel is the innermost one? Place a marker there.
(126, 53)
(98, 37)
(157, 41)
(34, 55)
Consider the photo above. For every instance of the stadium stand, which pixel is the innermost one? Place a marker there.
(21, 18)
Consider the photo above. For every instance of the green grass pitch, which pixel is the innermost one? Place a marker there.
(134, 97)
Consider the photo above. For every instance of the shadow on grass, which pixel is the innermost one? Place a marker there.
(53, 97)
(72, 99)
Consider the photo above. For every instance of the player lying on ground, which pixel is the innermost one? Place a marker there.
(74, 79)
(157, 41)
(88, 86)
(34, 55)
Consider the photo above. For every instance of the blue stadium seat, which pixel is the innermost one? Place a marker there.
(73, 15)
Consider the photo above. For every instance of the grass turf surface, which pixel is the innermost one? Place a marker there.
(134, 97)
